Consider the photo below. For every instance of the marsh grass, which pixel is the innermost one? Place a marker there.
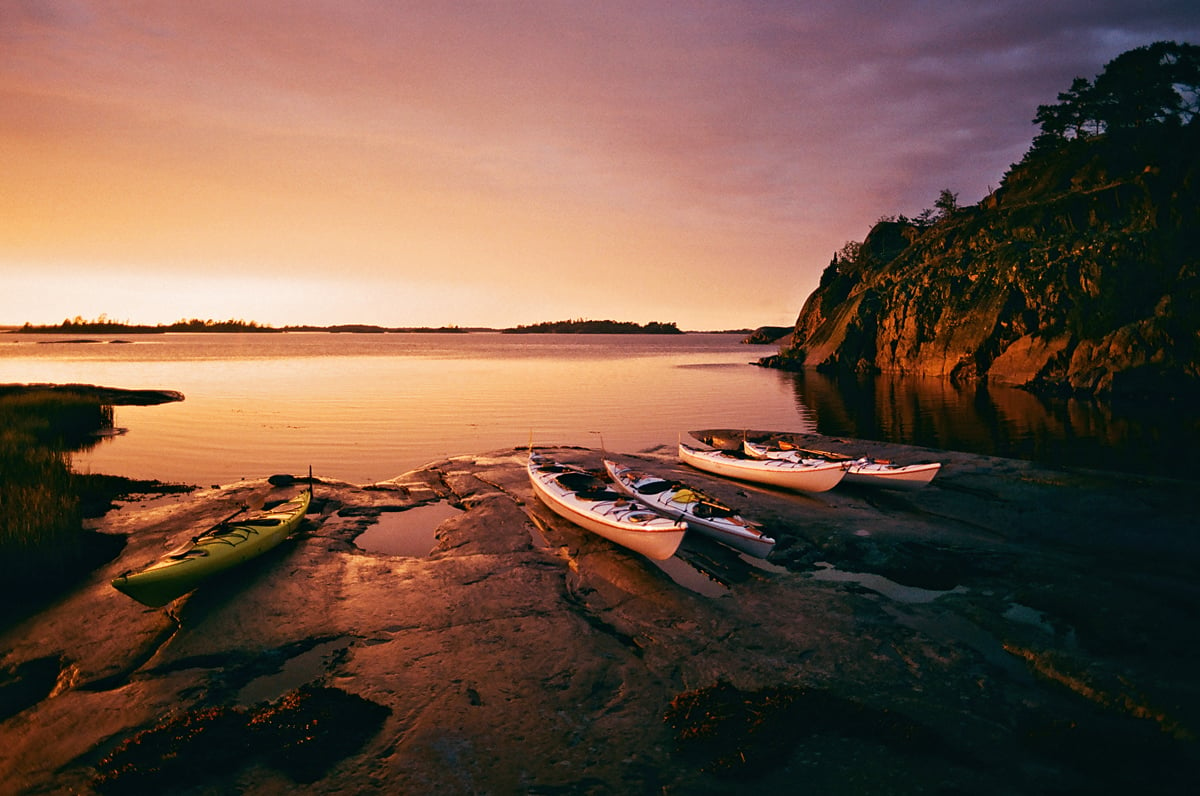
(42, 541)
(57, 419)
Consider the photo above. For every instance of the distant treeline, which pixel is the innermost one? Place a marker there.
(365, 328)
(595, 327)
(103, 325)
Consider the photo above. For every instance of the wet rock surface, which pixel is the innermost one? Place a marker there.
(1008, 629)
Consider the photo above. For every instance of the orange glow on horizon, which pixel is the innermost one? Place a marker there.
(510, 165)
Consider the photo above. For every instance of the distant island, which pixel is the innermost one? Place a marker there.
(595, 327)
(103, 325)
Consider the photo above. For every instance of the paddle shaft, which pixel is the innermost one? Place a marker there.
(225, 521)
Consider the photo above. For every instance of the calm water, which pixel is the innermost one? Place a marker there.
(369, 407)
(1129, 436)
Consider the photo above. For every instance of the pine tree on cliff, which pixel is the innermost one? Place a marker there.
(1080, 274)
(1158, 84)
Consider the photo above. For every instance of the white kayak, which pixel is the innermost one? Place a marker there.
(863, 470)
(802, 475)
(589, 502)
(700, 511)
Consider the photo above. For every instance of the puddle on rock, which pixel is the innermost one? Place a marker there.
(763, 564)
(691, 577)
(877, 583)
(295, 672)
(406, 533)
(1031, 616)
(537, 537)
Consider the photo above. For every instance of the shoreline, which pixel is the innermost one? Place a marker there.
(114, 396)
(1008, 628)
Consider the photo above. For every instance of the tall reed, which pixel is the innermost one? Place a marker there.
(40, 519)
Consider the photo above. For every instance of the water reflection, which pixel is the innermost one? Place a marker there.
(412, 532)
(367, 407)
(1000, 421)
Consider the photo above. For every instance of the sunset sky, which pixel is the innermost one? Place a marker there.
(499, 163)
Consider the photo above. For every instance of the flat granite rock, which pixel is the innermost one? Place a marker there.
(1008, 629)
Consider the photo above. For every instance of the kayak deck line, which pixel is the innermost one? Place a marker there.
(227, 544)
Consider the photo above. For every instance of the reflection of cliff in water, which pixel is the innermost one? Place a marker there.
(999, 421)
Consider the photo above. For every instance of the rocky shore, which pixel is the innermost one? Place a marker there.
(1008, 629)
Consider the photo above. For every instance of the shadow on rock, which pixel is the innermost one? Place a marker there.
(26, 684)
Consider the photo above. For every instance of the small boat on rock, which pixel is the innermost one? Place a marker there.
(226, 544)
(863, 470)
(804, 475)
(700, 511)
(589, 501)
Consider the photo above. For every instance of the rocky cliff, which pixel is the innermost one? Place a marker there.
(1080, 274)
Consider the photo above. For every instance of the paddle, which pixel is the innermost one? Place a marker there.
(224, 522)
(825, 454)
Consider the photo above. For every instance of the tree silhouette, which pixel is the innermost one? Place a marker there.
(1071, 117)
(947, 203)
(1158, 84)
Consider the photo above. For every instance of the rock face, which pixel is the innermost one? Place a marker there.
(1081, 274)
(1007, 629)
(765, 335)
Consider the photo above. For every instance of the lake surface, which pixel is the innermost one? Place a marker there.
(365, 408)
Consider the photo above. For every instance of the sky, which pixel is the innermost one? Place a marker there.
(503, 163)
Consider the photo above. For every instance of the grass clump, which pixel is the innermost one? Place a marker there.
(42, 542)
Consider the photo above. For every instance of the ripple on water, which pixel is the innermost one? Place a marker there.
(406, 533)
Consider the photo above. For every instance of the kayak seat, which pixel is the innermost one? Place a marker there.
(654, 488)
(712, 511)
(577, 481)
(599, 495)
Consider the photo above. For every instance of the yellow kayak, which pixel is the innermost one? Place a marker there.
(223, 546)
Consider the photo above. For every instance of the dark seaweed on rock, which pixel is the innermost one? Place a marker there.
(302, 734)
(730, 732)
